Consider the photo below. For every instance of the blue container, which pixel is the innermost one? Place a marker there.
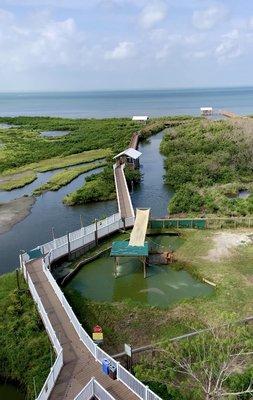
(105, 366)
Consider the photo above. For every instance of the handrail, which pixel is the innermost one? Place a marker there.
(58, 364)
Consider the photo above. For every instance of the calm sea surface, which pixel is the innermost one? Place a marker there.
(126, 103)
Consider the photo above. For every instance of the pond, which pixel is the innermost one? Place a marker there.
(162, 287)
(54, 133)
(10, 392)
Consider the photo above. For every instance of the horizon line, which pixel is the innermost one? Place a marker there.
(125, 89)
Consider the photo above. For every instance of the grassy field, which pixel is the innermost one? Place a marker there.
(25, 350)
(64, 177)
(232, 298)
(62, 162)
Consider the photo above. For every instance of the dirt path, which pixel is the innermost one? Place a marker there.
(14, 211)
(224, 242)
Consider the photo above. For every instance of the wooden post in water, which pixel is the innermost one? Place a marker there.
(81, 221)
(116, 264)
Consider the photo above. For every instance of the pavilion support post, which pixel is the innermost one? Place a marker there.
(144, 267)
(116, 264)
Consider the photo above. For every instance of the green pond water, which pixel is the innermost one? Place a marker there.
(162, 287)
(10, 392)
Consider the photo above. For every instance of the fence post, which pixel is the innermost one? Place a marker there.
(96, 352)
(146, 393)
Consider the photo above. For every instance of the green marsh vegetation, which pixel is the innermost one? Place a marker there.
(15, 181)
(207, 163)
(66, 176)
(25, 350)
(25, 151)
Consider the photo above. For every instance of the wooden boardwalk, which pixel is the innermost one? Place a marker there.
(123, 196)
(79, 364)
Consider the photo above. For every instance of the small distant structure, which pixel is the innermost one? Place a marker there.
(129, 156)
(140, 118)
(206, 110)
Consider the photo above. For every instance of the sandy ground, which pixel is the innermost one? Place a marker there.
(14, 211)
(225, 242)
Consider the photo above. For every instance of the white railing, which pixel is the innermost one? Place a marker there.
(84, 236)
(132, 383)
(94, 389)
(58, 364)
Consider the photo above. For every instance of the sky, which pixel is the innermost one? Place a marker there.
(68, 45)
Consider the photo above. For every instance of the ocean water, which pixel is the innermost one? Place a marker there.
(100, 104)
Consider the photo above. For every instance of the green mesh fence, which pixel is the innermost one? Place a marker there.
(177, 223)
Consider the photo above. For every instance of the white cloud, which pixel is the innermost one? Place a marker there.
(152, 14)
(122, 51)
(42, 41)
(207, 19)
(230, 46)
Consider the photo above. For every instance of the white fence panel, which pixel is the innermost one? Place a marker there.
(51, 379)
(131, 382)
(101, 354)
(87, 341)
(76, 234)
(53, 283)
(100, 392)
(103, 231)
(47, 247)
(87, 392)
(61, 241)
(76, 244)
(90, 228)
(59, 252)
(152, 396)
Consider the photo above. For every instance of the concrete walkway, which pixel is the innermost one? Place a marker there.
(79, 364)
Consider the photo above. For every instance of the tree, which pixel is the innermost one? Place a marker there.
(203, 367)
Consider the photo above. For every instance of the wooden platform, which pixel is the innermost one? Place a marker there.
(79, 364)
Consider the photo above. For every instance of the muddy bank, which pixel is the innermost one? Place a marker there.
(14, 211)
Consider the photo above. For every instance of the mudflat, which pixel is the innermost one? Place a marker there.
(14, 211)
